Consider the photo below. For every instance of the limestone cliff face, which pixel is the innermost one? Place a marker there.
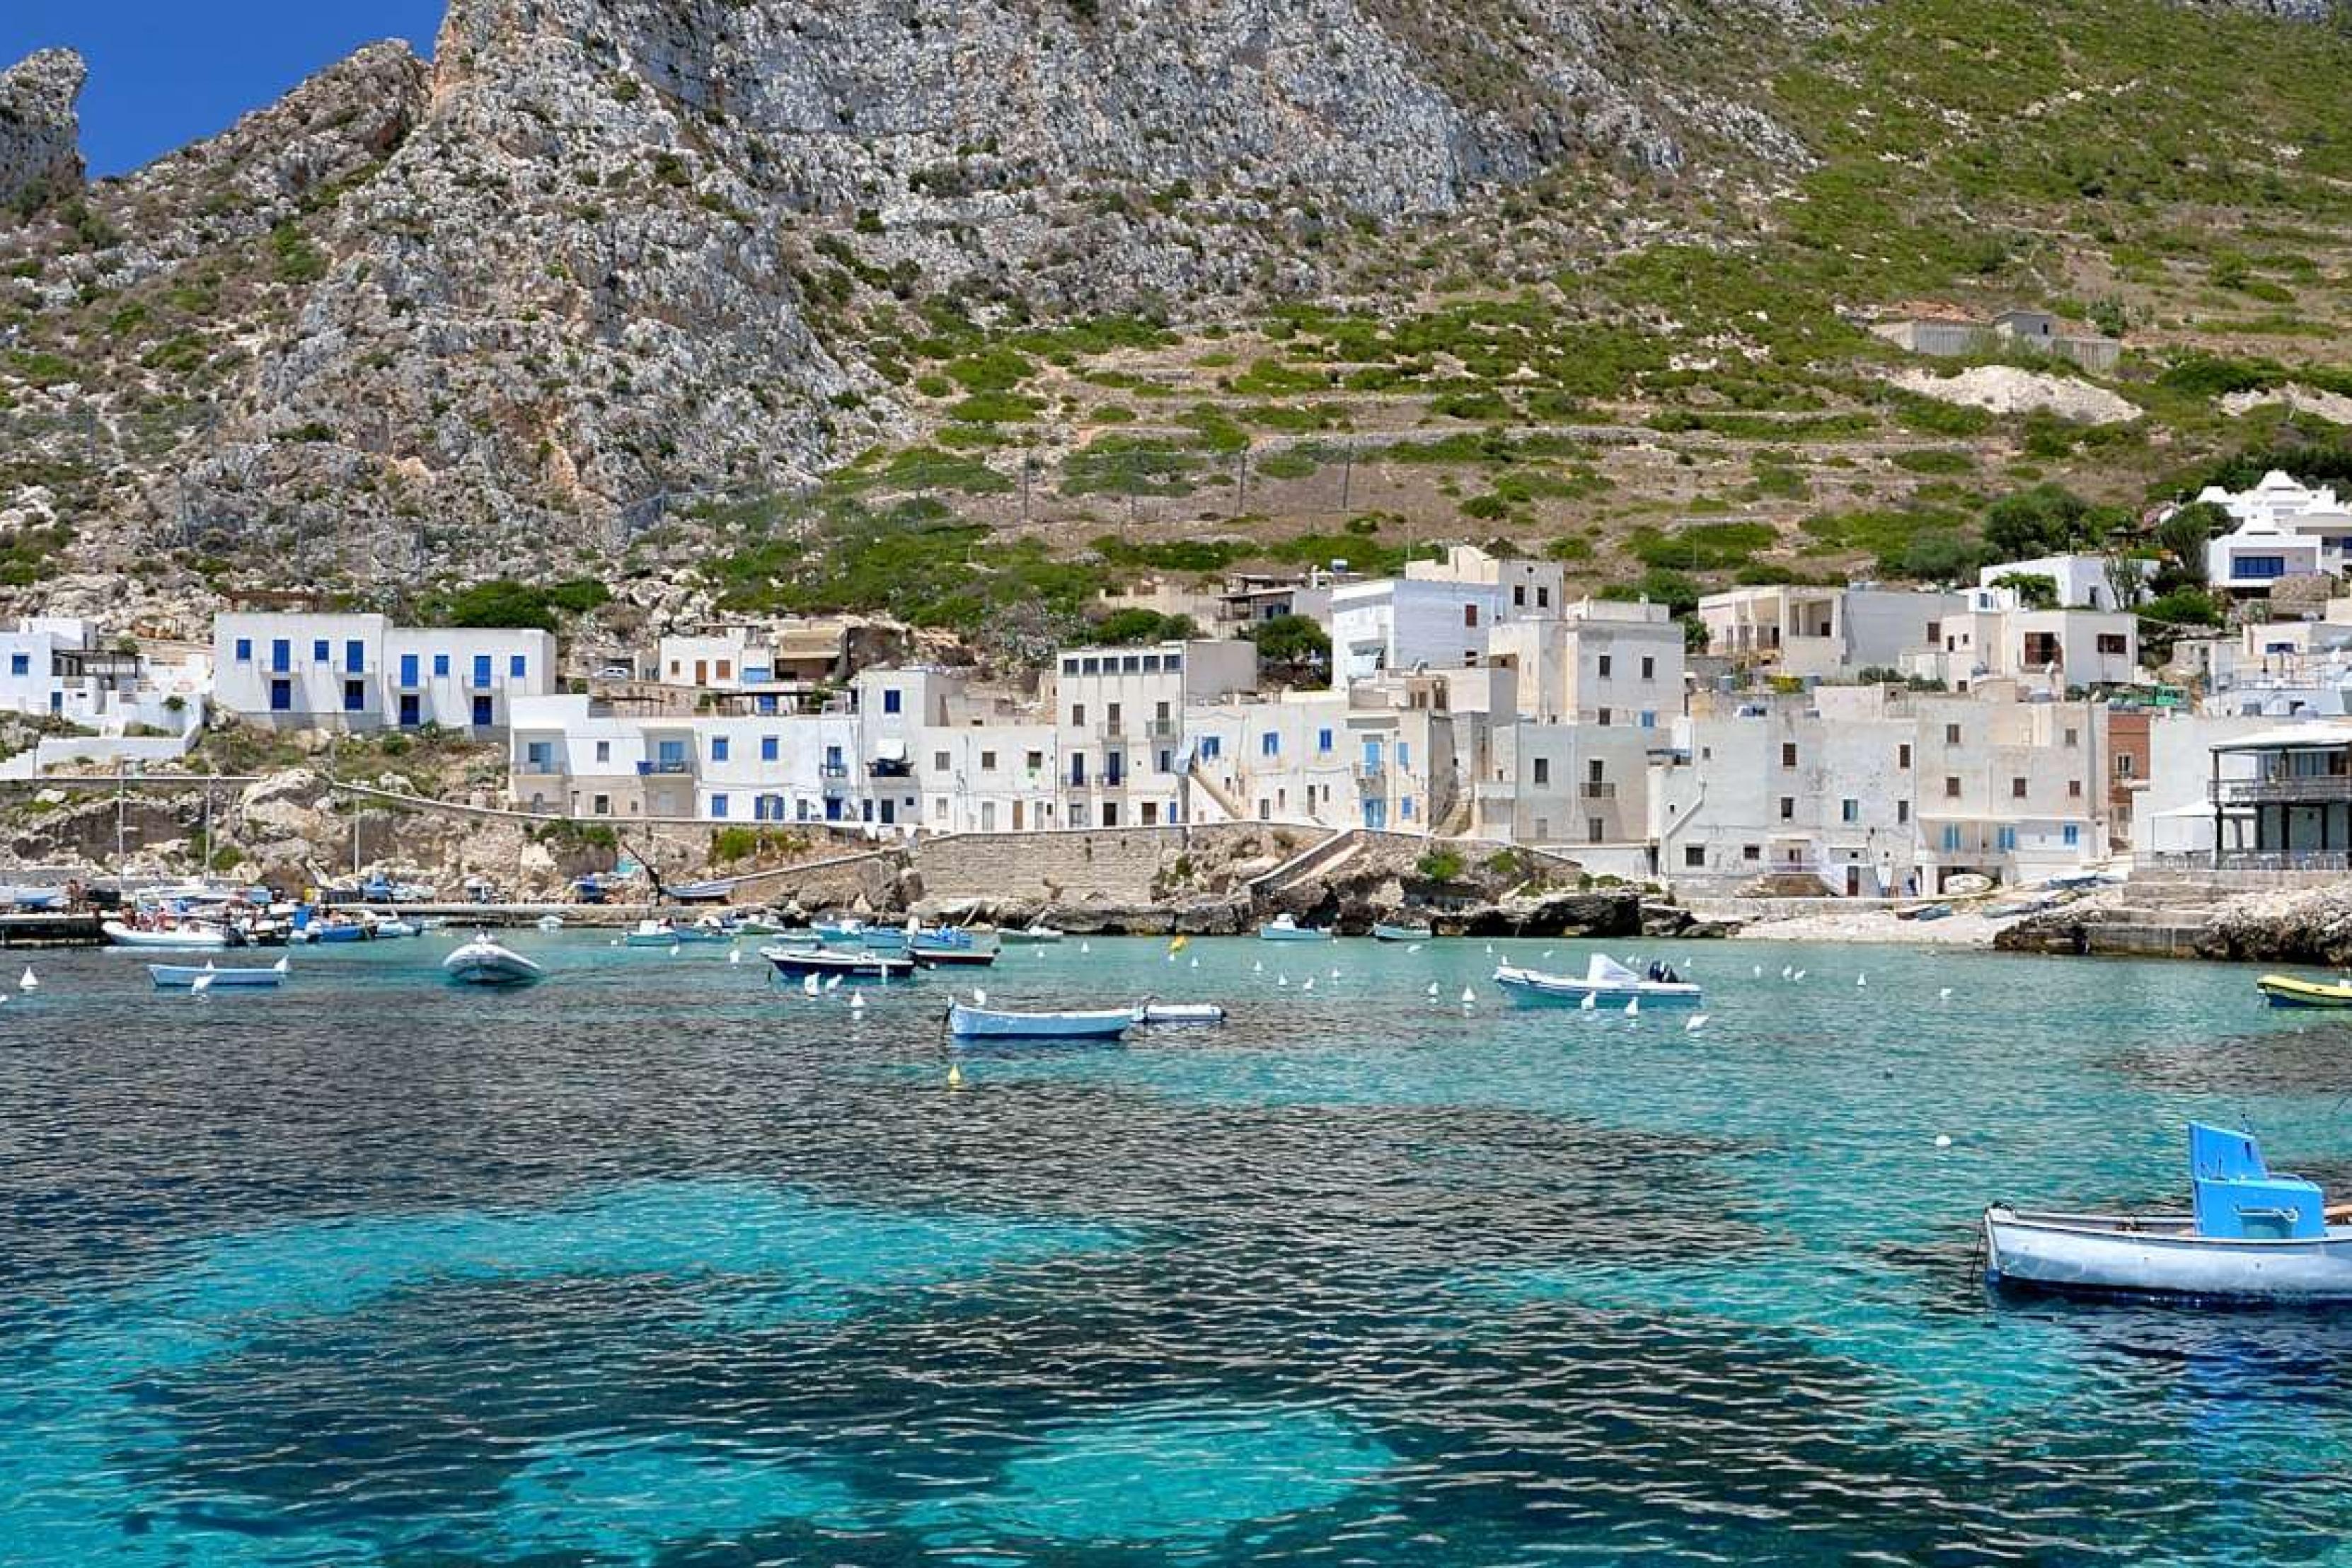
(581, 277)
(39, 154)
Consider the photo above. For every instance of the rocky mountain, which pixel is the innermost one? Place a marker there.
(39, 156)
(483, 314)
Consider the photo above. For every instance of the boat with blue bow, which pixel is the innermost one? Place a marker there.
(1402, 930)
(2250, 1236)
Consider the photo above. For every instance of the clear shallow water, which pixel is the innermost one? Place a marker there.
(657, 1264)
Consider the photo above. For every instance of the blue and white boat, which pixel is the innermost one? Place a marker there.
(1605, 983)
(1283, 928)
(1383, 930)
(209, 977)
(841, 928)
(2250, 1236)
(971, 1021)
(796, 962)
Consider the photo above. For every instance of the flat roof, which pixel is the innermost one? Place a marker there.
(2289, 736)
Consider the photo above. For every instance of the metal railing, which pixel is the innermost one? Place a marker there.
(663, 765)
(2312, 789)
(1594, 790)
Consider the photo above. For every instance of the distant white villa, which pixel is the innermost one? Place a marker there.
(2284, 529)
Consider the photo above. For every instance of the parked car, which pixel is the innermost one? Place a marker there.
(618, 672)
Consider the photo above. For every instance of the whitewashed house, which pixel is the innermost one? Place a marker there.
(359, 673)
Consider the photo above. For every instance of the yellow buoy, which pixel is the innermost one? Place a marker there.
(955, 1075)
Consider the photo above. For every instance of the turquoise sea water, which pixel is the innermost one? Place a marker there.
(659, 1263)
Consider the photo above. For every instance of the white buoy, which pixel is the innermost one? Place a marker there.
(1799, 976)
(1592, 1001)
(1757, 972)
(1258, 967)
(858, 1002)
(833, 983)
(285, 965)
(203, 983)
(735, 955)
(1085, 947)
(1862, 980)
(810, 985)
(673, 950)
(979, 997)
(1194, 964)
(1282, 980)
(1309, 983)
(1414, 948)
(1432, 988)
(1171, 955)
(1469, 998)
(1632, 1006)
(28, 980)
(1786, 971)
(1490, 947)
(1334, 975)
(1945, 994)
(1943, 1140)
(1695, 1023)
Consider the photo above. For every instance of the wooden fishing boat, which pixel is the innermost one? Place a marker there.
(2286, 991)
(1604, 982)
(1383, 931)
(482, 961)
(2251, 1236)
(967, 1021)
(796, 962)
(206, 976)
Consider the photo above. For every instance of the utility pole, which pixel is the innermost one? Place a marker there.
(1241, 481)
(1347, 473)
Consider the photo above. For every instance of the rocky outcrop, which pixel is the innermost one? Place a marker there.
(40, 155)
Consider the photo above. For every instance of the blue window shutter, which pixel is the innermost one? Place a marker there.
(767, 748)
(718, 806)
(441, 664)
(318, 651)
(719, 749)
(245, 651)
(517, 664)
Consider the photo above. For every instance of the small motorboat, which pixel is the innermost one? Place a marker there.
(183, 934)
(1383, 931)
(2286, 991)
(31, 899)
(482, 961)
(796, 962)
(670, 934)
(393, 926)
(967, 1021)
(2251, 1236)
(1283, 928)
(700, 892)
(550, 923)
(190, 976)
(1605, 981)
(1179, 1014)
(1033, 934)
(933, 954)
(1923, 912)
(843, 928)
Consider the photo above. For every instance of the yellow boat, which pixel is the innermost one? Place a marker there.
(2286, 991)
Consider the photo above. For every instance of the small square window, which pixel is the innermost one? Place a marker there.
(2017, 789)
(1694, 855)
(1951, 787)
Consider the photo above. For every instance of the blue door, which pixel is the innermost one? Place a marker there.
(408, 669)
(281, 654)
(354, 657)
(481, 670)
(1376, 815)
(481, 714)
(410, 715)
